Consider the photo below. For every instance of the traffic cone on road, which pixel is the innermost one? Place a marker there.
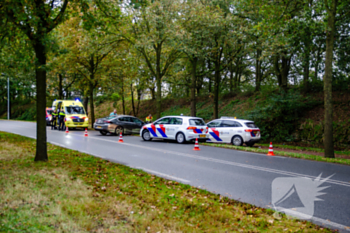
(67, 130)
(196, 147)
(271, 150)
(86, 132)
(120, 137)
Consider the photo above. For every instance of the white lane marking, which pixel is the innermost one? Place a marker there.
(314, 219)
(166, 176)
(228, 162)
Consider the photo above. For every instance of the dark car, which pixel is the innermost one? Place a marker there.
(116, 124)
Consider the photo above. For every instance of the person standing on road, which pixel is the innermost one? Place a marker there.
(149, 119)
(53, 119)
(61, 117)
(114, 113)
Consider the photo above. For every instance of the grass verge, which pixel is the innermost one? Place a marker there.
(76, 192)
(303, 148)
(282, 153)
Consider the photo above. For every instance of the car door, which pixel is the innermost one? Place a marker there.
(228, 129)
(160, 127)
(137, 124)
(173, 127)
(214, 131)
(125, 123)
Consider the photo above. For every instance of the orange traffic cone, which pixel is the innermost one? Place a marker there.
(271, 150)
(196, 147)
(67, 130)
(86, 132)
(120, 137)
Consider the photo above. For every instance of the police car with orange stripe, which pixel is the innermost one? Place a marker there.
(179, 128)
(235, 131)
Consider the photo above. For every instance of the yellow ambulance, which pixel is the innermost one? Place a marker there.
(75, 113)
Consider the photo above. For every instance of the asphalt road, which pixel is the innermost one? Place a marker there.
(249, 177)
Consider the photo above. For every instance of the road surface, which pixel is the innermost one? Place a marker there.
(244, 176)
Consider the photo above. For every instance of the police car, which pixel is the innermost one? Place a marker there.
(235, 131)
(179, 128)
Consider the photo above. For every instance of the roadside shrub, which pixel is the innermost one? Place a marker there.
(28, 114)
(312, 132)
(278, 115)
(100, 99)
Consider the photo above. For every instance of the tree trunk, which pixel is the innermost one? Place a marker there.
(231, 78)
(40, 71)
(193, 86)
(159, 80)
(328, 107)
(92, 109)
(318, 58)
(159, 97)
(257, 70)
(282, 73)
(276, 67)
(132, 100)
(306, 72)
(153, 93)
(60, 88)
(85, 103)
(216, 90)
(209, 76)
(123, 100)
(138, 101)
(285, 72)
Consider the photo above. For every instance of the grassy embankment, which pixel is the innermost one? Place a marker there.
(75, 192)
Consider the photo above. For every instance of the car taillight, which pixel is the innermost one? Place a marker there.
(108, 122)
(191, 127)
(248, 130)
(207, 129)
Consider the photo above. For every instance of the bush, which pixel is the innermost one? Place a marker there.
(312, 132)
(100, 99)
(278, 115)
(27, 114)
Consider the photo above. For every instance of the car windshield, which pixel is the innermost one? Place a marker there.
(75, 110)
(251, 125)
(199, 122)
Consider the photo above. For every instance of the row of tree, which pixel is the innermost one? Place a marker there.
(171, 48)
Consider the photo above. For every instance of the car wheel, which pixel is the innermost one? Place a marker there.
(118, 130)
(250, 144)
(237, 141)
(146, 136)
(180, 138)
(103, 132)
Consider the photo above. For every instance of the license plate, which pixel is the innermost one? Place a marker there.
(99, 127)
(202, 136)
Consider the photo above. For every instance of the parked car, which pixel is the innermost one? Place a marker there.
(179, 128)
(235, 131)
(48, 115)
(120, 123)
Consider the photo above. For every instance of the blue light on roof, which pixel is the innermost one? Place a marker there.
(77, 100)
